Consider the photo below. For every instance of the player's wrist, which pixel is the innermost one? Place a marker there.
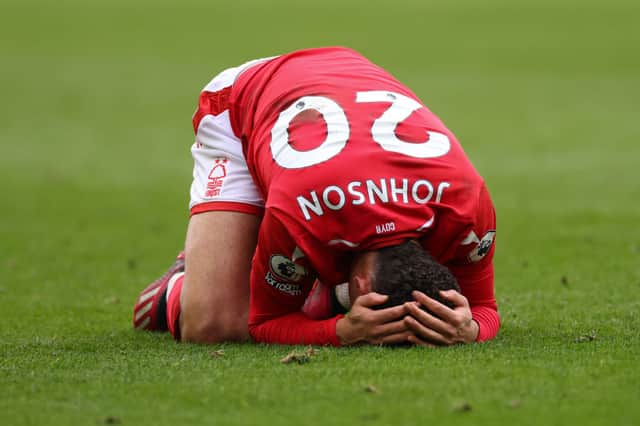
(345, 331)
(473, 331)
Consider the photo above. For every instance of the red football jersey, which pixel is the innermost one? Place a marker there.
(349, 159)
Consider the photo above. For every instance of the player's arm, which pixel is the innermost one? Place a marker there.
(475, 313)
(362, 324)
(226, 208)
(280, 281)
(281, 278)
(277, 318)
(477, 287)
(474, 316)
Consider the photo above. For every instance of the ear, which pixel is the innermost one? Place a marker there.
(363, 284)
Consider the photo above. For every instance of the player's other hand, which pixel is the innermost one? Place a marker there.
(364, 324)
(444, 326)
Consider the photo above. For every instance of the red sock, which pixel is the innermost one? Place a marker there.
(173, 304)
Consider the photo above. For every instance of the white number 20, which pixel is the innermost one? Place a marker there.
(382, 131)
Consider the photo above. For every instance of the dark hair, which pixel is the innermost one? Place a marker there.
(406, 267)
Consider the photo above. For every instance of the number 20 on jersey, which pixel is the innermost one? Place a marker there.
(338, 130)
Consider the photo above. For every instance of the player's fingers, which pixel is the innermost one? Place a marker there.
(389, 314)
(429, 321)
(454, 297)
(396, 339)
(371, 299)
(419, 342)
(425, 333)
(390, 328)
(441, 311)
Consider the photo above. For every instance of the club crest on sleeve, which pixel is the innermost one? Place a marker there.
(483, 247)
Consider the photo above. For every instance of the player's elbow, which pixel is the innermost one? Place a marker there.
(263, 330)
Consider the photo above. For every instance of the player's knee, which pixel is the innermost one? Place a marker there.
(213, 329)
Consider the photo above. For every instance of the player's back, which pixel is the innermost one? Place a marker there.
(324, 84)
(347, 157)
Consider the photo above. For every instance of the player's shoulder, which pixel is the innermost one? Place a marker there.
(227, 77)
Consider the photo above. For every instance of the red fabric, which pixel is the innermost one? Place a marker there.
(318, 304)
(476, 278)
(362, 197)
(227, 206)
(281, 280)
(211, 103)
(173, 308)
(488, 320)
(297, 328)
(476, 284)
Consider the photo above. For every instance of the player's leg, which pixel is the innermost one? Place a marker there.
(209, 301)
(214, 298)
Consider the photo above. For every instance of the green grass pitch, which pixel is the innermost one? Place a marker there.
(94, 173)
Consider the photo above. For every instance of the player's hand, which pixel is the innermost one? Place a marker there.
(446, 326)
(363, 324)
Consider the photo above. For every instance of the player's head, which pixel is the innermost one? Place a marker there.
(397, 271)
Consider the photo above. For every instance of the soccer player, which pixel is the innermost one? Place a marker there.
(360, 181)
